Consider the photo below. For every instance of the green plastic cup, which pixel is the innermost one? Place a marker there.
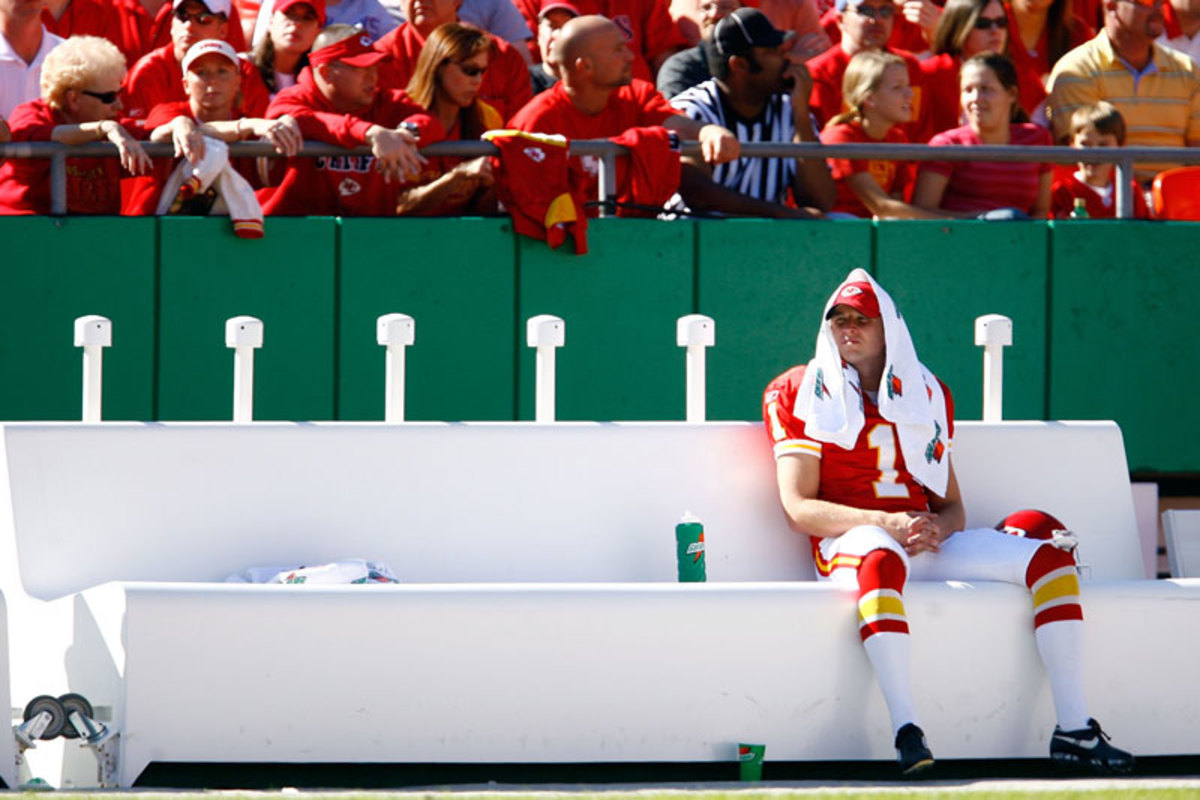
(689, 549)
(750, 761)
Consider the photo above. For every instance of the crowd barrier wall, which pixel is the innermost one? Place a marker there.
(1095, 306)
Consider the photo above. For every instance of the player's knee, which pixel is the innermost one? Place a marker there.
(882, 569)
(1047, 559)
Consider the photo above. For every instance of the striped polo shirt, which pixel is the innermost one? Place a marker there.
(1161, 106)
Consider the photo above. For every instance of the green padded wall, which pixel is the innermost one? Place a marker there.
(457, 279)
(620, 302)
(943, 275)
(764, 283)
(286, 279)
(1124, 337)
(60, 269)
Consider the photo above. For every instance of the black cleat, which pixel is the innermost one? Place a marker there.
(1088, 748)
(911, 751)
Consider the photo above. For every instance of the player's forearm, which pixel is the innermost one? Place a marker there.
(822, 518)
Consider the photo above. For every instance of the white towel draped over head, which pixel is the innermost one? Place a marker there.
(909, 396)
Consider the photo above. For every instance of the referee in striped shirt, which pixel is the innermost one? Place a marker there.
(762, 96)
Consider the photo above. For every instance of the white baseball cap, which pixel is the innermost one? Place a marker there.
(206, 46)
(215, 6)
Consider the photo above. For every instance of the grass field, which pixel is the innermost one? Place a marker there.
(1137, 789)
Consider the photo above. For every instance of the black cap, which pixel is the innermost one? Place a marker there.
(746, 28)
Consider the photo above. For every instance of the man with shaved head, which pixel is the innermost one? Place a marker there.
(598, 96)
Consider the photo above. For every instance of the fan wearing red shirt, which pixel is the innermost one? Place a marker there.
(877, 90)
(651, 33)
(337, 100)
(157, 76)
(598, 97)
(80, 103)
(912, 31)
(1099, 125)
(212, 79)
(158, 31)
(993, 189)
(866, 25)
(122, 22)
(1040, 33)
(967, 27)
(506, 85)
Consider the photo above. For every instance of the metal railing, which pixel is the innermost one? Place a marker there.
(606, 152)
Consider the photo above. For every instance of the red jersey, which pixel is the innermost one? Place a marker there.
(158, 78)
(122, 22)
(942, 93)
(987, 185)
(431, 132)
(506, 85)
(637, 105)
(828, 70)
(335, 185)
(93, 184)
(142, 192)
(872, 475)
(892, 176)
(647, 25)
(1099, 206)
(1033, 67)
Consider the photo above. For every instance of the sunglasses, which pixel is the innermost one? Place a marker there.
(470, 70)
(988, 23)
(200, 17)
(874, 12)
(108, 98)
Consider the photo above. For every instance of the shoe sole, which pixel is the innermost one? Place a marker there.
(1076, 764)
(918, 768)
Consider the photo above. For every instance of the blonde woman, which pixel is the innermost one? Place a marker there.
(876, 90)
(80, 103)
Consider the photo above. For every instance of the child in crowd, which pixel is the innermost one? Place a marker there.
(1099, 125)
(877, 91)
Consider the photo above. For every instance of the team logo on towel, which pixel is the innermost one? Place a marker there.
(935, 449)
(894, 386)
(819, 387)
(535, 154)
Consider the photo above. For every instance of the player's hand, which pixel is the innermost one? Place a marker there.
(718, 145)
(395, 152)
(916, 531)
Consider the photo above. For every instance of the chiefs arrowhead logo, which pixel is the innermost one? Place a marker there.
(535, 154)
(349, 186)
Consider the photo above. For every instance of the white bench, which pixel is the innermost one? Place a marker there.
(539, 619)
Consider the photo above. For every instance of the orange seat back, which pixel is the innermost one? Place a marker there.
(1176, 193)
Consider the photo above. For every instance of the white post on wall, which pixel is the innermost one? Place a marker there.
(93, 333)
(993, 332)
(396, 332)
(547, 333)
(696, 332)
(244, 335)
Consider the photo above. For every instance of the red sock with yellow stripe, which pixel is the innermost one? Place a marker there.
(1058, 630)
(884, 631)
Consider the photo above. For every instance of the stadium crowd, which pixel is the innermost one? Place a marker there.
(398, 75)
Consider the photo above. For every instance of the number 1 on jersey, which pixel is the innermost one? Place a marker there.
(882, 439)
